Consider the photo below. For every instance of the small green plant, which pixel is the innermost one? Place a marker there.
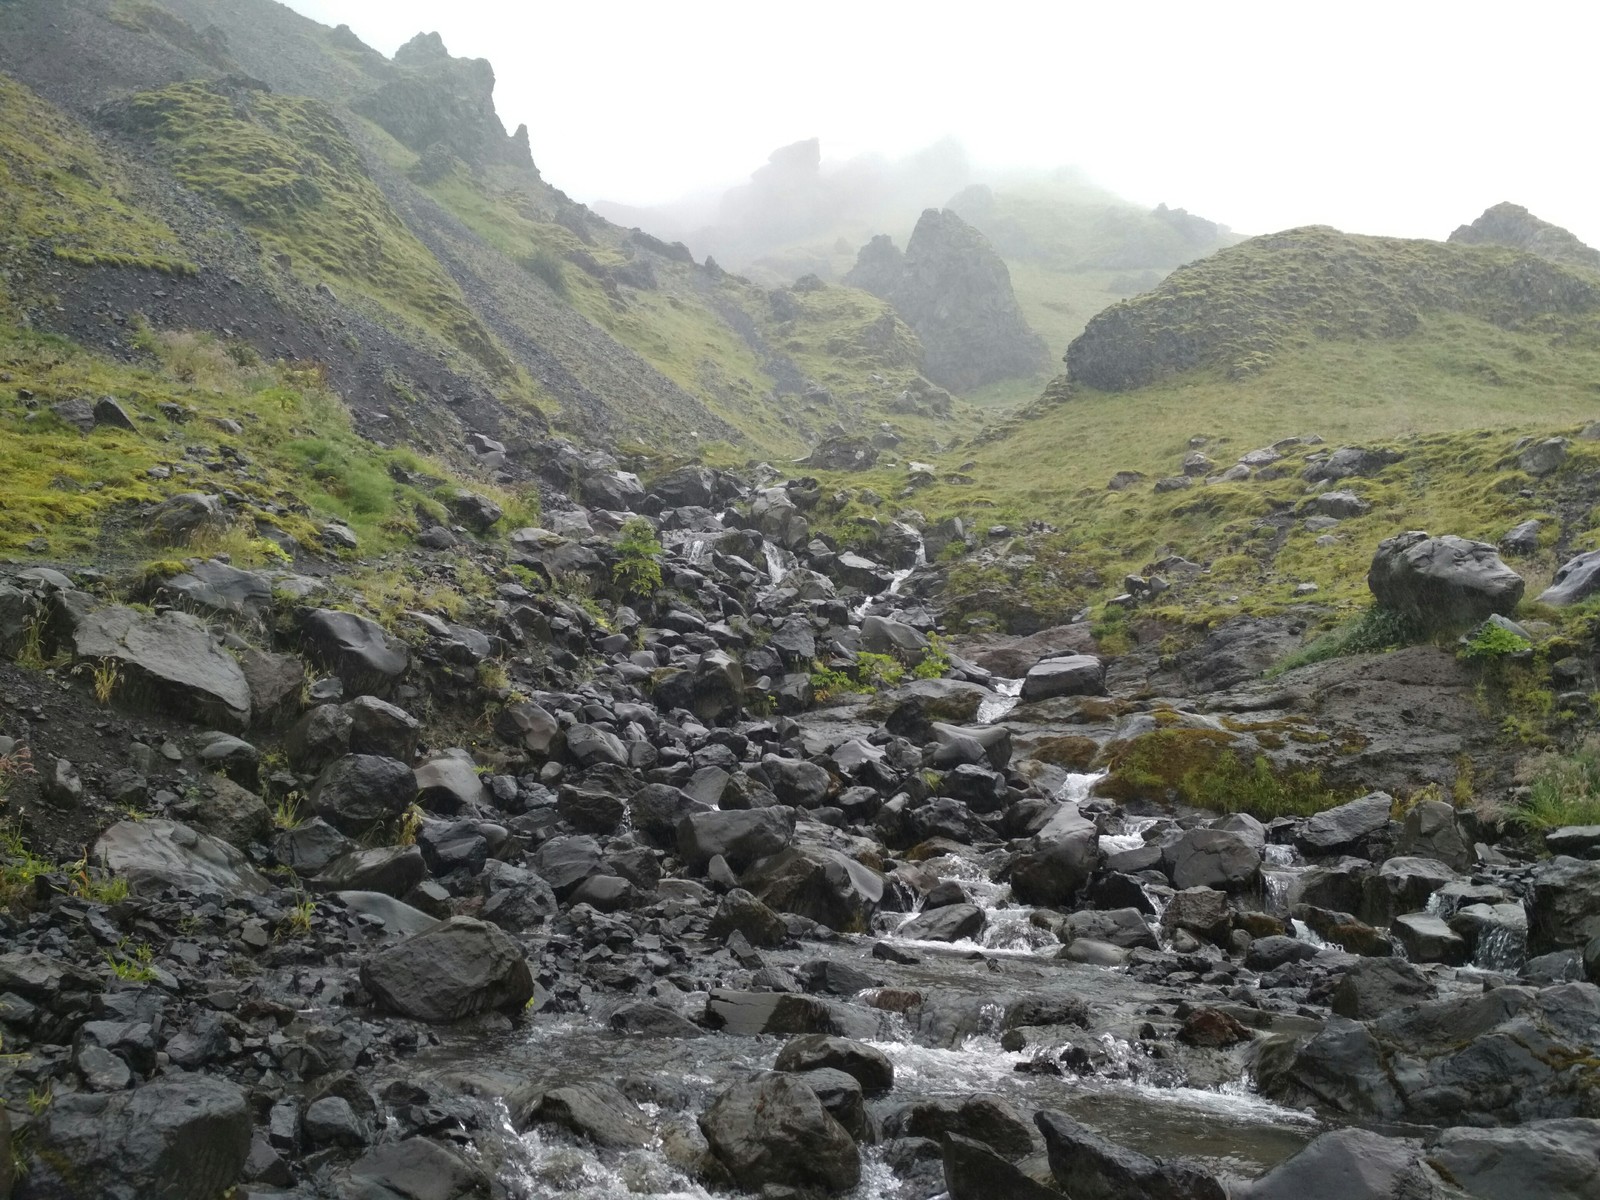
(20, 868)
(298, 921)
(935, 662)
(286, 812)
(94, 888)
(105, 677)
(492, 675)
(40, 1098)
(411, 825)
(1492, 643)
(13, 767)
(131, 961)
(637, 571)
(877, 671)
(30, 655)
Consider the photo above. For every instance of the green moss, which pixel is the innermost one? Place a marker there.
(287, 168)
(57, 190)
(1202, 767)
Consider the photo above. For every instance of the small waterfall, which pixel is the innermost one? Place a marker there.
(1275, 887)
(779, 561)
(696, 551)
(1008, 694)
(1131, 837)
(1503, 948)
(1309, 936)
(1078, 786)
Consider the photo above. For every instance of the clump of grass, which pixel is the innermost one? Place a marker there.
(131, 961)
(1373, 631)
(546, 265)
(1565, 791)
(1203, 768)
(297, 922)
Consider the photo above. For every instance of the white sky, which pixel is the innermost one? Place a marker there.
(1406, 117)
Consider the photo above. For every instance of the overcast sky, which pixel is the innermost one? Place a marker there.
(1402, 117)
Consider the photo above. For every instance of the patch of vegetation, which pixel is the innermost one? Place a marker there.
(637, 571)
(59, 191)
(1203, 768)
(131, 961)
(1493, 643)
(298, 461)
(545, 264)
(1565, 791)
(1373, 631)
(286, 166)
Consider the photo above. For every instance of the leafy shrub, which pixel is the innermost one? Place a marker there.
(637, 571)
(1492, 643)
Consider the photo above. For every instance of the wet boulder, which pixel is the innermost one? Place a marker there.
(1432, 829)
(596, 1112)
(156, 853)
(1062, 857)
(169, 661)
(182, 1137)
(1096, 1169)
(456, 969)
(820, 884)
(1443, 582)
(1201, 911)
(740, 912)
(879, 635)
(1072, 675)
(772, 1129)
(1375, 986)
(948, 923)
(1215, 858)
(359, 791)
(1353, 1164)
(1345, 828)
(1578, 579)
(417, 1168)
(1554, 1160)
(1400, 884)
(739, 837)
(810, 1052)
(989, 1118)
(532, 727)
(365, 657)
(973, 1171)
(391, 870)
(747, 1014)
(1564, 905)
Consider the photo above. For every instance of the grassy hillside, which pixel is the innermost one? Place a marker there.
(1454, 397)
(1241, 308)
(58, 191)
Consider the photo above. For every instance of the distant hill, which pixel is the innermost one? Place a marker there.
(1514, 226)
(1240, 308)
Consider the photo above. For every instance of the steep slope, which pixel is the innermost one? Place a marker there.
(1512, 225)
(380, 209)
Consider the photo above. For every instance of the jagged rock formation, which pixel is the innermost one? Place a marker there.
(433, 99)
(1236, 309)
(1512, 225)
(955, 292)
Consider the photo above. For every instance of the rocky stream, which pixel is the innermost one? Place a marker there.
(676, 926)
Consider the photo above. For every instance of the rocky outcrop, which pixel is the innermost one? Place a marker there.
(1443, 583)
(955, 292)
(431, 99)
(1507, 224)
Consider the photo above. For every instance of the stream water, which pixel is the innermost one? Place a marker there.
(1128, 1095)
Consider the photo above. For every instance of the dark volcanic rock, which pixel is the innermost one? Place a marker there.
(1095, 1169)
(772, 1129)
(182, 1138)
(456, 969)
(1443, 583)
(955, 292)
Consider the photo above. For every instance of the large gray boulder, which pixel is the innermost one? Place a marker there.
(1501, 1056)
(1578, 579)
(1063, 855)
(818, 883)
(772, 1129)
(973, 1171)
(1096, 1169)
(1443, 582)
(1345, 828)
(414, 1169)
(1071, 675)
(156, 853)
(740, 836)
(1553, 1160)
(1215, 858)
(182, 1137)
(458, 968)
(1564, 906)
(1353, 1164)
(360, 791)
(168, 661)
(360, 652)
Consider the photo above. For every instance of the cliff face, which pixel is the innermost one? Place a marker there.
(955, 292)
(1514, 226)
(432, 99)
